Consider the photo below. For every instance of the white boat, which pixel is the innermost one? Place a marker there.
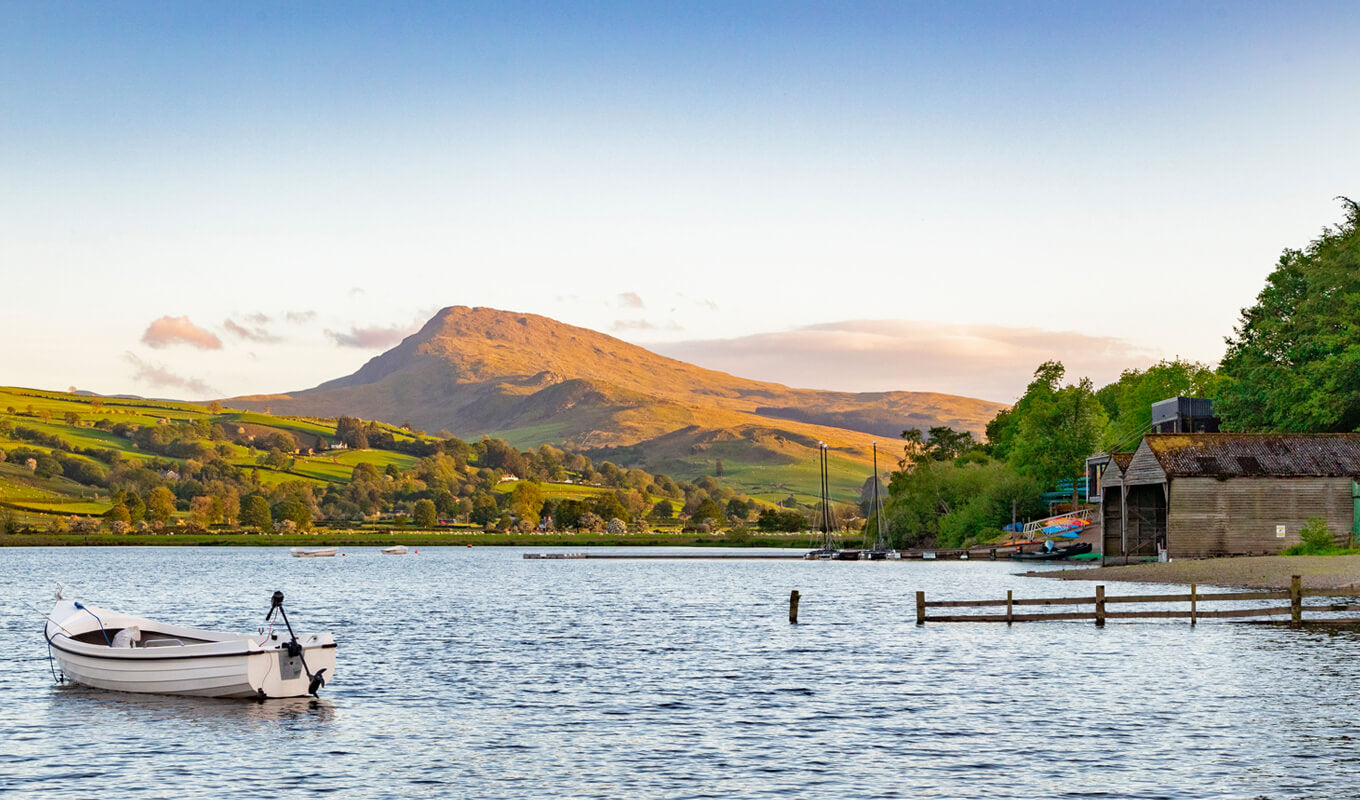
(394, 550)
(317, 552)
(108, 649)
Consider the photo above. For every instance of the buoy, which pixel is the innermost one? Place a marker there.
(469, 547)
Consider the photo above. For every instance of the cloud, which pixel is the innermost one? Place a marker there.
(630, 300)
(994, 362)
(256, 334)
(167, 331)
(158, 375)
(643, 325)
(370, 338)
(257, 318)
(300, 317)
(356, 292)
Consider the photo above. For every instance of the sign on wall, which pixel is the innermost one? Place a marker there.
(1279, 531)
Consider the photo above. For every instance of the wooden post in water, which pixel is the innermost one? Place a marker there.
(1100, 606)
(793, 607)
(1295, 600)
(1192, 605)
(1010, 603)
(920, 608)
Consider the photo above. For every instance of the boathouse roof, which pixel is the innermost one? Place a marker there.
(1247, 455)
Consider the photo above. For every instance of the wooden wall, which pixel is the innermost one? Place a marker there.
(1211, 517)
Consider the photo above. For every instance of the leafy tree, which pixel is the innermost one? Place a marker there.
(255, 513)
(118, 513)
(160, 505)
(663, 509)
(484, 508)
(707, 509)
(772, 519)
(737, 508)
(294, 511)
(1293, 363)
(1128, 401)
(425, 514)
(1051, 429)
(352, 432)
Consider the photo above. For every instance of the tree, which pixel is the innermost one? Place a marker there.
(71, 417)
(1293, 363)
(425, 514)
(718, 467)
(160, 505)
(707, 509)
(255, 513)
(295, 511)
(663, 509)
(1058, 428)
(201, 511)
(351, 431)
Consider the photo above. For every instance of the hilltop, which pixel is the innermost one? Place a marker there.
(532, 380)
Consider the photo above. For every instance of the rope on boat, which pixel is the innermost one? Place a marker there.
(96, 619)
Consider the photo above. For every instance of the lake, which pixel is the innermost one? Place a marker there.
(475, 673)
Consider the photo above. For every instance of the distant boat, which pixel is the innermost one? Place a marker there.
(882, 550)
(394, 550)
(107, 649)
(1055, 553)
(317, 552)
(830, 543)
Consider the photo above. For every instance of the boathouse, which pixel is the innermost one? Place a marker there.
(1199, 495)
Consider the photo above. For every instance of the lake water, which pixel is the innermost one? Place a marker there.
(475, 673)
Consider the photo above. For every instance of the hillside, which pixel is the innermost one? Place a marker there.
(66, 459)
(532, 380)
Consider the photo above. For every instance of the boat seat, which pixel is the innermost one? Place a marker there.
(162, 643)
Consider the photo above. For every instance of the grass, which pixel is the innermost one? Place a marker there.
(466, 537)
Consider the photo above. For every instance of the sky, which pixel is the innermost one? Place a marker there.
(204, 200)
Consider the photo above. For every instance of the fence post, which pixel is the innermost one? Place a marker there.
(793, 607)
(920, 608)
(1192, 605)
(1009, 602)
(1295, 600)
(1100, 606)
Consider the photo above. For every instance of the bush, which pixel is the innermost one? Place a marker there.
(1314, 540)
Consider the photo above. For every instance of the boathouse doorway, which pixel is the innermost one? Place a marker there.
(1145, 519)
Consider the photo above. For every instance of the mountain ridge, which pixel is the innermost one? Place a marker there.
(532, 380)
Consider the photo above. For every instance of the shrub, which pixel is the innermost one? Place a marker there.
(1314, 540)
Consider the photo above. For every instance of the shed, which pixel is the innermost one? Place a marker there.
(1213, 494)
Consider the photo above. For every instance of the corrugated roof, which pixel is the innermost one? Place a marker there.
(1244, 455)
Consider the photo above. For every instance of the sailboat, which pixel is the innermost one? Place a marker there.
(830, 543)
(882, 550)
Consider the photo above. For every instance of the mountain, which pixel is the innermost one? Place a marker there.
(533, 380)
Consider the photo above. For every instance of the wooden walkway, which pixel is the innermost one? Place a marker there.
(1192, 601)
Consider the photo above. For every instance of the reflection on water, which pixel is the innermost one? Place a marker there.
(474, 673)
(122, 708)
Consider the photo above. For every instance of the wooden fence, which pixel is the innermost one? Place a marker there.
(1192, 612)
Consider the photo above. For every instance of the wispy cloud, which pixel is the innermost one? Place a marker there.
(630, 300)
(258, 318)
(370, 338)
(159, 375)
(256, 334)
(300, 317)
(168, 331)
(989, 361)
(624, 325)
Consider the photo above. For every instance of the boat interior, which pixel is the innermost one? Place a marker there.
(149, 638)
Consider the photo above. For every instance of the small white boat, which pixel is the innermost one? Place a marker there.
(316, 552)
(394, 550)
(108, 649)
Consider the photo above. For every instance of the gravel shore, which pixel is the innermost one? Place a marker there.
(1258, 572)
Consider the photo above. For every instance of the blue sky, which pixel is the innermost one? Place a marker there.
(899, 193)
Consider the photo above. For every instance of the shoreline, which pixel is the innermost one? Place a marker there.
(1247, 572)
